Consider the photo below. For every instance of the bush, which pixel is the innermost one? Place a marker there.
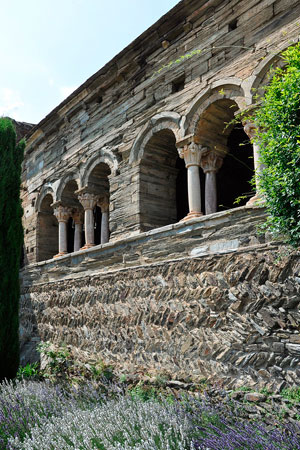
(278, 135)
(11, 239)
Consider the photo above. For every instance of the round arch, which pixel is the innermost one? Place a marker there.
(162, 180)
(46, 189)
(103, 156)
(229, 153)
(63, 183)
(163, 121)
(260, 76)
(227, 89)
(47, 227)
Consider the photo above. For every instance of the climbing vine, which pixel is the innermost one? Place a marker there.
(278, 135)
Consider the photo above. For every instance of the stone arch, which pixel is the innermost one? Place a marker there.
(261, 75)
(163, 121)
(229, 153)
(104, 156)
(162, 180)
(97, 184)
(225, 89)
(47, 227)
(67, 195)
(64, 182)
(46, 189)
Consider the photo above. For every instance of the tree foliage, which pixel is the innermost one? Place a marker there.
(11, 238)
(278, 136)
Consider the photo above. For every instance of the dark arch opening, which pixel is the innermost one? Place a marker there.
(216, 131)
(70, 200)
(70, 235)
(163, 184)
(98, 183)
(234, 177)
(182, 204)
(47, 236)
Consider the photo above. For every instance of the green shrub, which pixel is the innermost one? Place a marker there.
(278, 135)
(11, 239)
(28, 371)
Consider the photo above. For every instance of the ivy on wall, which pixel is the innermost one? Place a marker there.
(278, 135)
(11, 239)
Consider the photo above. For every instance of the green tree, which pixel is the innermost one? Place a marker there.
(278, 122)
(11, 238)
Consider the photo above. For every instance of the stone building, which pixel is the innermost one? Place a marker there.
(129, 190)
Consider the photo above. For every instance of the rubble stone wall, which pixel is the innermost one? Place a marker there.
(230, 314)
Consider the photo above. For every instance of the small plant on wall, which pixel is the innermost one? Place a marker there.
(278, 135)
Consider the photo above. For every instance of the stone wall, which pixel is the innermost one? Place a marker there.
(114, 114)
(227, 310)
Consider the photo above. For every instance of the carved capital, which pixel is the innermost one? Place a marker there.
(210, 161)
(250, 129)
(103, 203)
(87, 200)
(62, 213)
(191, 153)
(78, 216)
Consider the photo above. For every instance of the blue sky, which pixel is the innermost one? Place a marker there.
(50, 47)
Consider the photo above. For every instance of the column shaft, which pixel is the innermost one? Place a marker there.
(104, 227)
(194, 193)
(62, 238)
(211, 161)
(89, 228)
(210, 192)
(191, 153)
(88, 201)
(62, 214)
(77, 236)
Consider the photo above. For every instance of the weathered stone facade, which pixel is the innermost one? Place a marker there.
(143, 144)
(210, 298)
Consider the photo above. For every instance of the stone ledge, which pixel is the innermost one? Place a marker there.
(199, 237)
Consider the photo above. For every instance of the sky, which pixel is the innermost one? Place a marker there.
(50, 47)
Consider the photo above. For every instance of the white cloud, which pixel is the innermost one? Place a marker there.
(65, 91)
(10, 103)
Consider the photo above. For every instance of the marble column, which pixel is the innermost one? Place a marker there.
(211, 162)
(250, 130)
(104, 205)
(62, 214)
(78, 220)
(88, 202)
(191, 153)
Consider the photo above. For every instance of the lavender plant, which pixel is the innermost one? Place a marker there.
(244, 436)
(124, 423)
(42, 416)
(220, 427)
(24, 404)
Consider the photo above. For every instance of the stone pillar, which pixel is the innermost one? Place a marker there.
(250, 130)
(104, 205)
(88, 202)
(191, 153)
(78, 220)
(62, 214)
(211, 162)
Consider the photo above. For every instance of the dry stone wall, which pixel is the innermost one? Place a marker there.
(231, 316)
